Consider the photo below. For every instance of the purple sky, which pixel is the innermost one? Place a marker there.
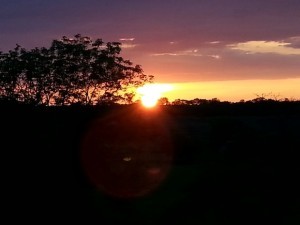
(175, 40)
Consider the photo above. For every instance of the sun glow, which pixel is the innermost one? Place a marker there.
(151, 93)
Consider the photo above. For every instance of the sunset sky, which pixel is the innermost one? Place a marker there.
(229, 49)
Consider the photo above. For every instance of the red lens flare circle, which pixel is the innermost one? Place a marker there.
(127, 154)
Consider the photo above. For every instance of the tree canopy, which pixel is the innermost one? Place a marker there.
(72, 70)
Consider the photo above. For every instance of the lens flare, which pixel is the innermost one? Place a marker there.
(128, 153)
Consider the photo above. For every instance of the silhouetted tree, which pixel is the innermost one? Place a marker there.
(215, 100)
(181, 102)
(128, 97)
(72, 70)
(198, 101)
(10, 71)
(163, 101)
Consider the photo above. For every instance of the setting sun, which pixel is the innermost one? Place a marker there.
(150, 93)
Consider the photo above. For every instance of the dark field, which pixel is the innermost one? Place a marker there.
(175, 165)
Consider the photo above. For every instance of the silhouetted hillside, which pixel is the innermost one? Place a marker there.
(215, 164)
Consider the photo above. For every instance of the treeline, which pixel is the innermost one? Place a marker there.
(264, 104)
(73, 70)
(264, 98)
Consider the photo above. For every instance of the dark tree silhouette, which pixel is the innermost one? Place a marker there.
(180, 102)
(10, 71)
(72, 70)
(163, 101)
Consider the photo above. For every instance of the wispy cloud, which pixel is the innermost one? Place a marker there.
(127, 39)
(215, 56)
(214, 42)
(294, 42)
(276, 47)
(192, 52)
(127, 45)
(165, 54)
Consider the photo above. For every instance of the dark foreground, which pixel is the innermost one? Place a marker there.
(169, 166)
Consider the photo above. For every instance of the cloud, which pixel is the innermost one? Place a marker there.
(252, 47)
(191, 52)
(294, 42)
(127, 45)
(215, 56)
(214, 42)
(127, 39)
(165, 54)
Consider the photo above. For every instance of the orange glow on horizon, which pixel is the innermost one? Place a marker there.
(150, 93)
(235, 90)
